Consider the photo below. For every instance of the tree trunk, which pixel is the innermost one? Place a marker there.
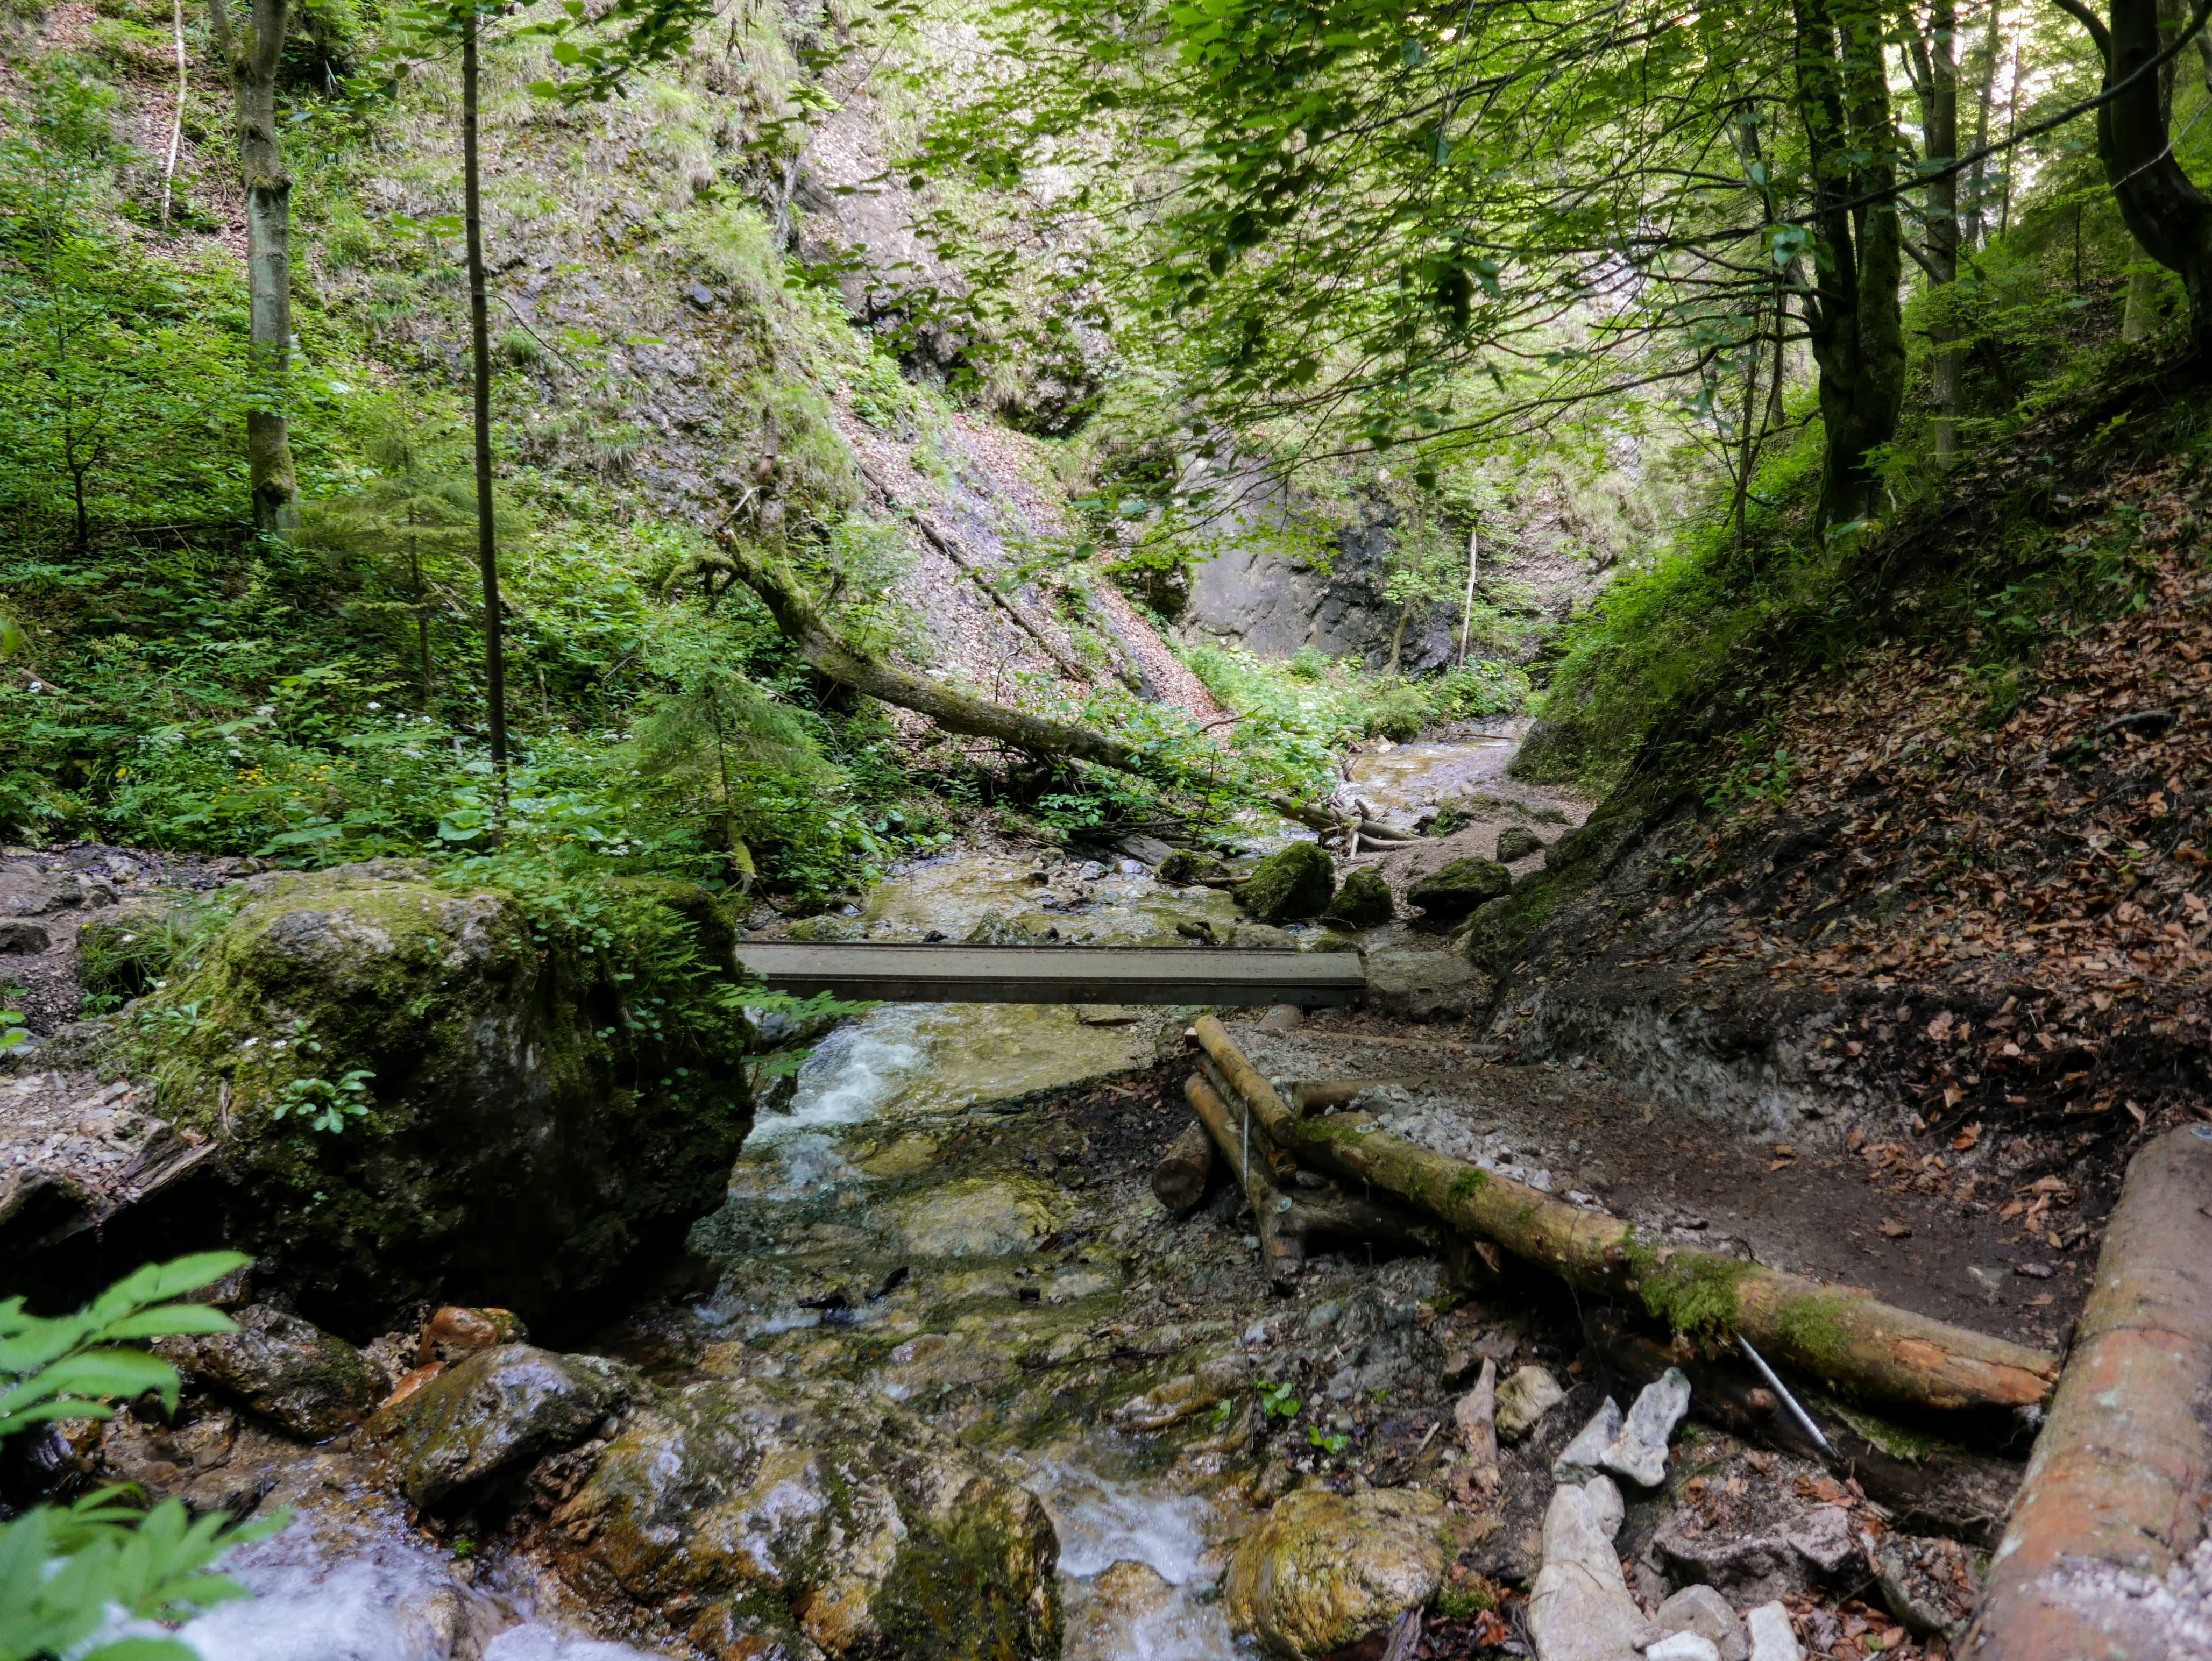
(252, 56)
(1984, 68)
(1853, 314)
(956, 711)
(2169, 216)
(1940, 123)
(480, 359)
(1841, 1334)
(2139, 320)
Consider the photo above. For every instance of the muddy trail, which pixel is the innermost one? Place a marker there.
(945, 1377)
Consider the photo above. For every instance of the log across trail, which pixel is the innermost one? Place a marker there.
(1841, 1334)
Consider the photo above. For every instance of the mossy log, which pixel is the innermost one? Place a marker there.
(837, 659)
(1842, 1335)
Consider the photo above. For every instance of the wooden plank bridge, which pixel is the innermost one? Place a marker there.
(1056, 974)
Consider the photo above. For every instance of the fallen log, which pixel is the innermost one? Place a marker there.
(1841, 1334)
(1286, 1223)
(1179, 1179)
(831, 656)
(1929, 1486)
(2119, 1479)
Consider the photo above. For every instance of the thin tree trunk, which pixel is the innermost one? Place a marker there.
(1940, 123)
(2139, 319)
(1983, 67)
(1467, 607)
(177, 122)
(480, 357)
(252, 56)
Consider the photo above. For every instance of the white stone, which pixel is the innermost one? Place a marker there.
(1580, 1459)
(1683, 1646)
(1772, 1637)
(1704, 1611)
(1607, 1507)
(1580, 1610)
(1525, 1398)
(1639, 1452)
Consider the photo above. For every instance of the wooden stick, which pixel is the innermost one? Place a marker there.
(1476, 1415)
(1179, 1179)
(2118, 1476)
(1842, 1335)
(1282, 1252)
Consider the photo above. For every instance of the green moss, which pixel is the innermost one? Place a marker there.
(1457, 1602)
(1897, 1440)
(1293, 883)
(1693, 1292)
(1466, 1183)
(1813, 1332)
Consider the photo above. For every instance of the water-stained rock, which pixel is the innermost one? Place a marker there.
(1286, 885)
(1183, 867)
(1364, 901)
(425, 1093)
(976, 1217)
(1524, 1399)
(1324, 1571)
(284, 1368)
(821, 1511)
(1455, 890)
(1517, 842)
(494, 1411)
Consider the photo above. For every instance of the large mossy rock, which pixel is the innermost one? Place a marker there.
(1294, 884)
(430, 1094)
(1364, 901)
(1326, 1571)
(818, 1511)
(1455, 890)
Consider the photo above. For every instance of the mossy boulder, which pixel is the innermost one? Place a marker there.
(815, 1513)
(1517, 842)
(1364, 901)
(430, 1094)
(1297, 882)
(1182, 867)
(1326, 1571)
(314, 1384)
(1455, 890)
(496, 1410)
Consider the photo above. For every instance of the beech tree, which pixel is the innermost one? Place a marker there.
(252, 53)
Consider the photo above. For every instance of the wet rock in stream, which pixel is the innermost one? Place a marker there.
(496, 1409)
(757, 1512)
(305, 1380)
(1324, 1571)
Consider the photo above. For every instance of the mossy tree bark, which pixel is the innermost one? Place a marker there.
(252, 54)
(831, 656)
(1936, 63)
(1853, 315)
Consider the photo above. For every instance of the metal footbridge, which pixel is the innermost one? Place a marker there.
(1056, 974)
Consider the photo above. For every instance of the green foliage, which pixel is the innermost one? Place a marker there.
(1331, 1442)
(110, 381)
(67, 1572)
(324, 1106)
(1278, 1401)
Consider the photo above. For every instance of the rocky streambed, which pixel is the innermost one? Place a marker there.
(942, 1376)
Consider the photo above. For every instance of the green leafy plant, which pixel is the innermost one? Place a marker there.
(69, 1574)
(1331, 1442)
(1277, 1401)
(324, 1106)
(12, 1031)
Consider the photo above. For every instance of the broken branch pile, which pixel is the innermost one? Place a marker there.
(1841, 1334)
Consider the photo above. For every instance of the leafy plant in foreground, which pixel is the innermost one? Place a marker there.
(70, 1573)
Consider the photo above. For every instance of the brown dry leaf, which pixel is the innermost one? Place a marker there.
(1966, 1138)
(1895, 1231)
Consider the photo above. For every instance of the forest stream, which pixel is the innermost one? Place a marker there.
(948, 1204)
